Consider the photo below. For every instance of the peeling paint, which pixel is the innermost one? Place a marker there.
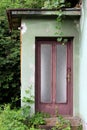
(23, 28)
(33, 47)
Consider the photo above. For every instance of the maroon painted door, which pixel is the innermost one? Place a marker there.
(53, 87)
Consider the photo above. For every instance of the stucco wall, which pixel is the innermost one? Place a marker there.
(32, 28)
(83, 65)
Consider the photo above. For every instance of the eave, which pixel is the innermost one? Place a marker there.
(15, 15)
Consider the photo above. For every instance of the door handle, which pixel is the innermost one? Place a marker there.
(68, 75)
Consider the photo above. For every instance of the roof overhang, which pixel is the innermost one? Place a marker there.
(15, 15)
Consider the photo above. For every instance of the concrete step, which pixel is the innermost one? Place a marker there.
(75, 123)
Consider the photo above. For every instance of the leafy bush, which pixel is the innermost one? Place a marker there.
(9, 60)
(11, 119)
(14, 119)
(9, 64)
(36, 120)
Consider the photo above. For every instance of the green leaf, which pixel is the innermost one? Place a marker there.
(59, 39)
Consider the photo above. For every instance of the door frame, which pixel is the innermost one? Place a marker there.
(37, 76)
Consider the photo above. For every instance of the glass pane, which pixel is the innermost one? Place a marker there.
(46, 76)
(61, 74)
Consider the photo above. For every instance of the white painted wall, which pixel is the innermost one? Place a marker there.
(83, 66)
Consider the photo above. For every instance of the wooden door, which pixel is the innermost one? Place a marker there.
(53, 84)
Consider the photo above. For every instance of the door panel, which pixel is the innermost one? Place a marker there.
(46, 73)
(53, 87)
(61, 72)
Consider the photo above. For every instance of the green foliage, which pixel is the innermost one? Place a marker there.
(9, 64)
(62, 124)
(21, 4)
(32, 4)
(28, 100)
(54, 4)
(80, 127)
(32, 120)
(36, 120)
(59, 5)
(13, 119)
